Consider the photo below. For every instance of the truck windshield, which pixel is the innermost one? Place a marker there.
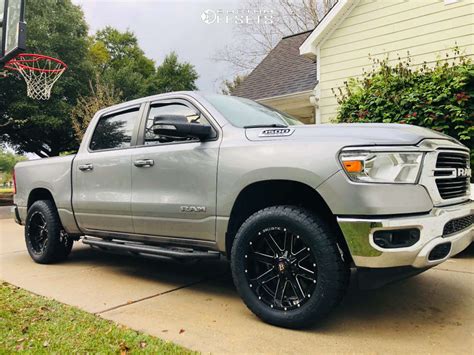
(242, 112)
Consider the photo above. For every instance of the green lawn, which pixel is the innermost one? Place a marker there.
(6, 189)
(36, 324)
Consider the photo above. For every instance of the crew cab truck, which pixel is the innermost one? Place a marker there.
(294, 207)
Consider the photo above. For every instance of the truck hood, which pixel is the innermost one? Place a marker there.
(349, 134)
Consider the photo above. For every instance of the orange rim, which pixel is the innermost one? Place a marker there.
(24, 61)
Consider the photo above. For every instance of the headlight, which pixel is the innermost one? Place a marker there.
(382, 167)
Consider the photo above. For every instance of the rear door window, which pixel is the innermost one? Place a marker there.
(115, 131)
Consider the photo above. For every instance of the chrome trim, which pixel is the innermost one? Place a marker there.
(386, 149)
(358, 233)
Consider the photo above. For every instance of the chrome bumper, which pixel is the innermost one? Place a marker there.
(358, 233)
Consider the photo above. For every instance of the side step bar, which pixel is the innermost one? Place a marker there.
(149, 250)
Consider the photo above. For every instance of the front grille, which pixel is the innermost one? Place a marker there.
(452, 160)
(451, 188)
(457, 225)
(456, 186)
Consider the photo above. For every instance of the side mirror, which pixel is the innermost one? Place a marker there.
(178, 126)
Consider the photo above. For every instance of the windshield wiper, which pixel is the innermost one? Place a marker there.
(273, 125)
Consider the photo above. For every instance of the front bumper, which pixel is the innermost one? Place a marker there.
(358, 233)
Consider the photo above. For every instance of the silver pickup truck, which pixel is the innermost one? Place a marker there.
(293, 207)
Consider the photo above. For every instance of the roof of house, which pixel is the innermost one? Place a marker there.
(283, 71)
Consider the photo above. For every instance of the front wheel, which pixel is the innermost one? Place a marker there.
(45, 239)
(287, 267)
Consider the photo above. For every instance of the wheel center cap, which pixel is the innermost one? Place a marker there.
(282, 266)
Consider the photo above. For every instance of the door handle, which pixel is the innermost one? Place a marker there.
(86, 167)
(144, 163)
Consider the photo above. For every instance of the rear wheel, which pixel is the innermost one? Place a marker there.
(45, 238)
(287, 266)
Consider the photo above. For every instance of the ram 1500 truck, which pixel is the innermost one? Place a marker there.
(293, 207)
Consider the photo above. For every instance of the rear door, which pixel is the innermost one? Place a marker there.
(102, 174)
(175, 195)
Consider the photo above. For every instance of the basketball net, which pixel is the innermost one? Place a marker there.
(40, 73)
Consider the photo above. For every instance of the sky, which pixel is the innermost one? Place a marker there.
(165, 26)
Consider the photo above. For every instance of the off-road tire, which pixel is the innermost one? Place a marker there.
(333, 272)
(57, 246)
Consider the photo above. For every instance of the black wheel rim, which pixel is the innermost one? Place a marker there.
(38, 232)
(280, 268)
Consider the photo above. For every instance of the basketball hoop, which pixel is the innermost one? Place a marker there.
(39, 71)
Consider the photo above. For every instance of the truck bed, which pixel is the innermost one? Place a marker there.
(43, 175)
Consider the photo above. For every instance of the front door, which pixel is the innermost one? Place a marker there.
(102, 175)
(174, 195)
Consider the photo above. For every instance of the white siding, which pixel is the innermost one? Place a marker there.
(428, 29)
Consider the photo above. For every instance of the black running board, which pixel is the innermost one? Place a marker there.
(149, 250)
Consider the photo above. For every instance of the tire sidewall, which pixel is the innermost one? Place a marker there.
(47, 209)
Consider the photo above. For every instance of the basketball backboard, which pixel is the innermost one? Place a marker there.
(12, 29)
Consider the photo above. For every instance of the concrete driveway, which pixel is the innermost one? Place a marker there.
(196, 305)
(5, 212)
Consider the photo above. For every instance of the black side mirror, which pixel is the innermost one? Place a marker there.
(178, 126)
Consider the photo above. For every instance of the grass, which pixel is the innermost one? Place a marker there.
(6, 190)
(39, 325)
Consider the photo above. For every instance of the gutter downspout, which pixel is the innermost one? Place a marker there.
(314, 102)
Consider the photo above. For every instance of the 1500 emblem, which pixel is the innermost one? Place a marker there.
(276, 132)
(193, 208)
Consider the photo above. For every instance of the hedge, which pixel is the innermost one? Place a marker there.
(440, 97)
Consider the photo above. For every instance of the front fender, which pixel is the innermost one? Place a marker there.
(229, 189)
(347, 198)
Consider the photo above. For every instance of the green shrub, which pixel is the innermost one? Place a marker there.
(440, 97)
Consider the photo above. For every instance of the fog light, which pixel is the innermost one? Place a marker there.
(396, 238)
(440, 251)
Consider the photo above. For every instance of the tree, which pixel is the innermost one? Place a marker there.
(58, 29)
(101, 95)
(114, 52)
(172, 75)
(121, 63)
(228, 86)
(7, 163)
(255, 40)
(102, 70)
